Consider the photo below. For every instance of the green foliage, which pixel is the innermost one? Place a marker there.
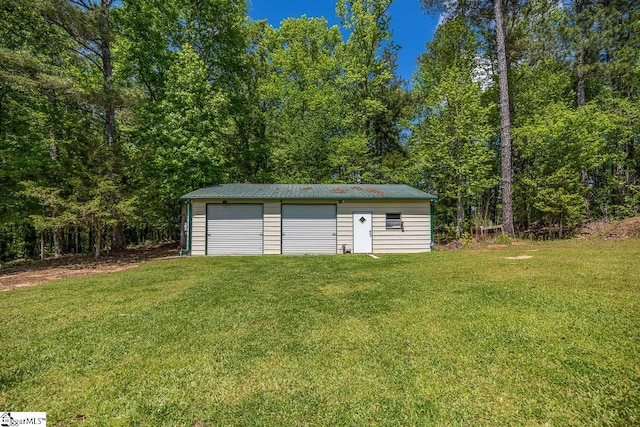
(374, 104)
(302, 87)
(556, 146)
(110, 110)
(189, 154)
(182, 130)
(575, 154)
(59, 214)
(503, 239)
(615, 183)
(451, 139)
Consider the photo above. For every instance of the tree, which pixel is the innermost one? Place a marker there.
(558, 143)
(192, 123)
(477, 12)
(505, 122)
(375, 101)
(89, 24)
(190, 151)
(591, 42)
(301, 88)
(248, 150)
(452, 134)
(37, 116)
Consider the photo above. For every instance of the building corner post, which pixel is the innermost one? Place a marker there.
(189, 222)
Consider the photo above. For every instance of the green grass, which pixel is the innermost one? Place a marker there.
(447, 338)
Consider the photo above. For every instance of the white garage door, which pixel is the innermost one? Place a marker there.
(234, 229)
(308, 229)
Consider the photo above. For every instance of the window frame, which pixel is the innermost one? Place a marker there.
(398, 220)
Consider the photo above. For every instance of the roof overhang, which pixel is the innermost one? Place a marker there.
(334, 192)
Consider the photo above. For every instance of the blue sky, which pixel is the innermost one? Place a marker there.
(411, 27)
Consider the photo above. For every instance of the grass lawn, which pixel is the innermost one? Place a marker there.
(448, 338)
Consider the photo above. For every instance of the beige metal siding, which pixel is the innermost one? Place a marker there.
(198, 227)
(272, 228)
(415, 216)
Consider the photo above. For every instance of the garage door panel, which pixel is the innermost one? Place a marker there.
(309, 229)
(234, 229)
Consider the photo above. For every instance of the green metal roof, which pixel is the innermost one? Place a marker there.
(310, 191)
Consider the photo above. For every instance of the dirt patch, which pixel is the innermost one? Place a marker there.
(451, 246)
(519, 257)
(32, 273)
(593, 228)
(494, 246)
(624, 229)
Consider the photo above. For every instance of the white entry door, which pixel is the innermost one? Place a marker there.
(362, 233)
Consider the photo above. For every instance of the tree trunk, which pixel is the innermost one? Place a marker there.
(57, 242)
(107, 76)
(57, 232)
(505, 123)
(97, 236)
(460, 215)
(581, 98)
(42, 245)
(460, 208)
(635, 168)
(118, 241)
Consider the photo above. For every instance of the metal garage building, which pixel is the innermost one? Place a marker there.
(254, 219)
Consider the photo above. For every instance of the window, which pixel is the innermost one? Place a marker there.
(394, 220)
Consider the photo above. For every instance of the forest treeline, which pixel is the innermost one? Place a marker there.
(111, 110)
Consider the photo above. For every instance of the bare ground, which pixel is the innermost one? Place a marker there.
(33, 273)
(624, 229)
